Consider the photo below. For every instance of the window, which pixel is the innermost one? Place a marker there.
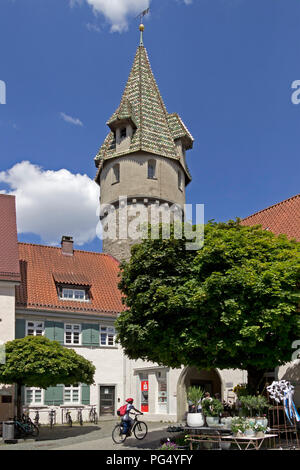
(34, 328)
(123, 133)
(179, 180)
(33, 396)
(151, 169)
(116, 173)
(72, 334)
(73, 294)
(107, 336)
(72, 394)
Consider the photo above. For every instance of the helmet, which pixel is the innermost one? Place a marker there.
(129, 400)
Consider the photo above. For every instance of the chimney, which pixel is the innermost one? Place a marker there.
(67, 245)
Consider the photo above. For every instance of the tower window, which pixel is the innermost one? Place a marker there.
(116, 173)
(151, 169)
(179, 180)
(123, 133)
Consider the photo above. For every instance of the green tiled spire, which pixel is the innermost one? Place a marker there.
(141, 103)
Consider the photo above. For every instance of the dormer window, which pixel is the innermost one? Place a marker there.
(123, 133)
(78, 295)
(151, 169)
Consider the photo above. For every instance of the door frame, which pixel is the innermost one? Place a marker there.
(99, 397)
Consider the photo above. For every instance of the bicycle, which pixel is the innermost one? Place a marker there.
(93, 417)
(25, 427)
(52, 418)
(138, 428)
(79, 417)
(69, 418)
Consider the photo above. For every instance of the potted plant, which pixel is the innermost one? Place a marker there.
(253, 406)
(168, 445)
(212, 409)
(195, 416)
(239, 426)
(260, 430)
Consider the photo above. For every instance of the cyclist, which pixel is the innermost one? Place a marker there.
(127, 420)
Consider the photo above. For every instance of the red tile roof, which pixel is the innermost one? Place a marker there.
(38, 290)
(9, 256)
(283, 217)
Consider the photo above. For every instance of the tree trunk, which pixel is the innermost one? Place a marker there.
(255, 380)
(19, 401)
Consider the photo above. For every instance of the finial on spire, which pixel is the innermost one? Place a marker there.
(141, 28)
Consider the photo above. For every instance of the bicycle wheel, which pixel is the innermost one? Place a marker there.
(33, 430)
(95, 420)
(117, 434)
(140, 430)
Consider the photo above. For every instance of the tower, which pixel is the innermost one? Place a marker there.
(142, 158)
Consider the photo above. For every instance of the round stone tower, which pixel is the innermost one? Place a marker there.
(141, 164)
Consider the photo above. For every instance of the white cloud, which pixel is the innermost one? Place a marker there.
(117, 12)
(93, 27)
(70, 119)
(53, 203)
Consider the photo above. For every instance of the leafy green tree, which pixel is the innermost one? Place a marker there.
(35, 361)
(232, 304)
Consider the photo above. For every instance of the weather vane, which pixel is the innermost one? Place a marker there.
(142, 27)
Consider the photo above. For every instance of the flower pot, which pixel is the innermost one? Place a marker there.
(207, 445)
(226, 422)
(262, 421)
(260, 434)
(195, 420)
(225, 445)
(212, 421)
(249, 433)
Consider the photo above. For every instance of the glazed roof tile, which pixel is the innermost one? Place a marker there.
(142, 102)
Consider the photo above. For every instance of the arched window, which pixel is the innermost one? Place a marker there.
(151, 169)
(116, 173)
(179, 180)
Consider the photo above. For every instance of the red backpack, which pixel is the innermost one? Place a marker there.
(122, 410)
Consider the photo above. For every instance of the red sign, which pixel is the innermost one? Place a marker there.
(144, 385)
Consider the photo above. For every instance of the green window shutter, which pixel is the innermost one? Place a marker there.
(89, 334)
(20, 328)
(85, 394)
(54, 395)
(95, 338)
(59, 332)
(54, 331)
(49, 330)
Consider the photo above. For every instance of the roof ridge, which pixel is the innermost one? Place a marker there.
(273, 205)
(59, 248)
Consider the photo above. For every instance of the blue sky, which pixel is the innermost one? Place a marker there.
(226, 66)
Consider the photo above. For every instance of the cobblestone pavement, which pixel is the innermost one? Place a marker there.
(89, 437)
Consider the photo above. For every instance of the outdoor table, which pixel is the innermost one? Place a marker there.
(204, 434)
(254, 441)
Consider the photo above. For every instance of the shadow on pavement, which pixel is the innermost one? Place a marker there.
(151, 441)
(64, 432)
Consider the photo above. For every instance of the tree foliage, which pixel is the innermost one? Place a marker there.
(232, 304)
(35, 361)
